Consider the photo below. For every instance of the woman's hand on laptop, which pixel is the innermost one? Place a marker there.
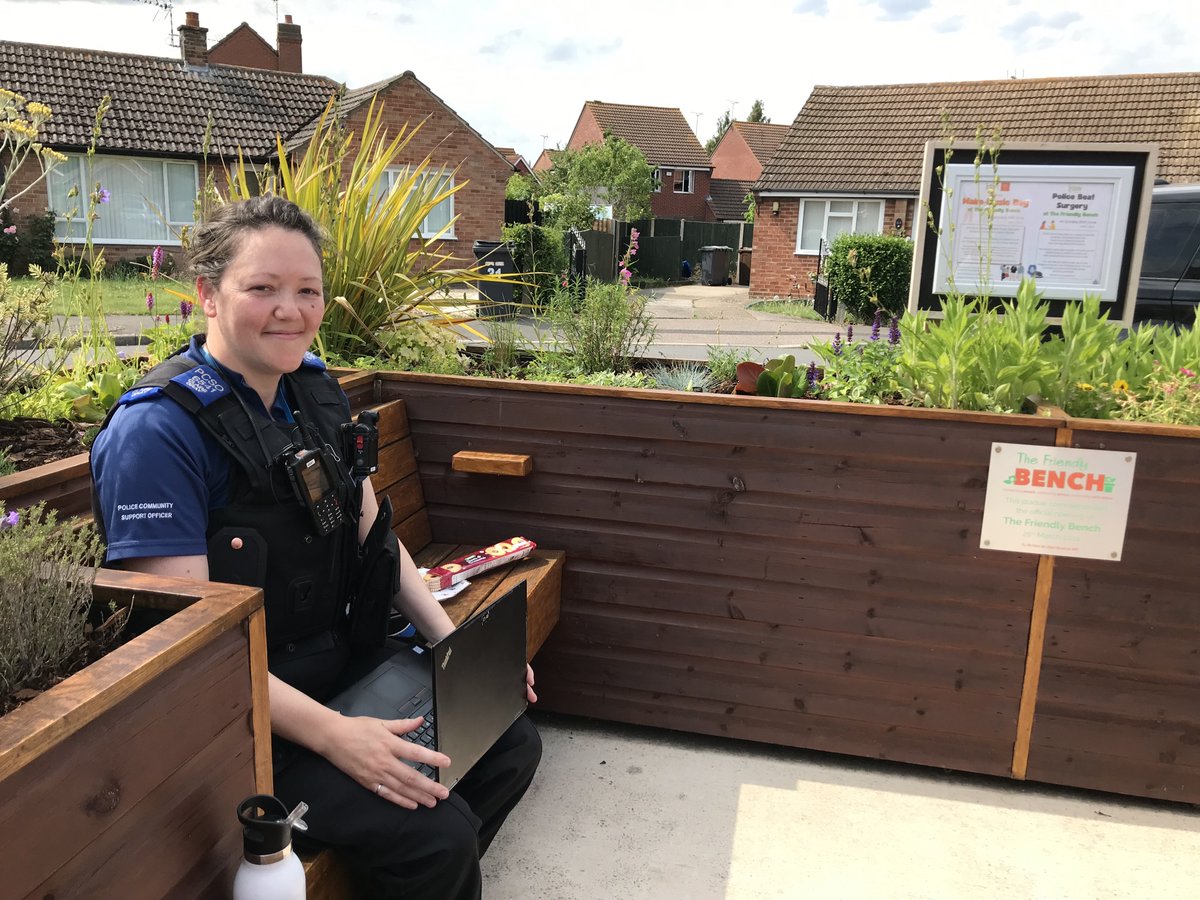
(374, 752)
(529, 694)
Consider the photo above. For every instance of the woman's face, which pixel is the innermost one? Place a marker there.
(265, 312)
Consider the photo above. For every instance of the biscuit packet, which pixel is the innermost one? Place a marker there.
(441, 577)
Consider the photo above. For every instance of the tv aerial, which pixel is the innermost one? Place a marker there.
(168, 7)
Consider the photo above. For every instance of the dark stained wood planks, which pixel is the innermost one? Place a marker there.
(786, 561)
(121, 780)
(1119, 705)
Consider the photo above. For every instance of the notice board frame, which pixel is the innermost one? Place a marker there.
(1140, 158)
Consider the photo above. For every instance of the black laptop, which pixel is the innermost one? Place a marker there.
(469, 686)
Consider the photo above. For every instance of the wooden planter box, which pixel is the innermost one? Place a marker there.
(809, 574)
(123, 780)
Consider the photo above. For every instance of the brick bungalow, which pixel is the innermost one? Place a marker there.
(738, 160)
(151, 150)
(852, 158)
(682, 168)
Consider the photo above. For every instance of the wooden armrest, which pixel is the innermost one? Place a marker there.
(492, 463)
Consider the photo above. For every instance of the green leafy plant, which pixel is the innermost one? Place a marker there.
(502, 355)
(862, 371)
(780, 378)
(973, 358)
(381, 273)
(605, 330)
(540, 257)
(684, 376)
(25, 315)
(1169, 396)
(558, 370)
(47, 572)
(723, 363)
(870, 271)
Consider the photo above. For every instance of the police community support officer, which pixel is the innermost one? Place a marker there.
(191, 479)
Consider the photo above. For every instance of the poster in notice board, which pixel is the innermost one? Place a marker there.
(1070, 216)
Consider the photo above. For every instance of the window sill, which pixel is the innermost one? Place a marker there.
(121, 242)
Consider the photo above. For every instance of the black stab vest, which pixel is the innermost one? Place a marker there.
(305, 577)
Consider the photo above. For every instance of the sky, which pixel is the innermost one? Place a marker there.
(519, 71)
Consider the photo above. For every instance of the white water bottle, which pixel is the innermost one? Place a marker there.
(269, 869)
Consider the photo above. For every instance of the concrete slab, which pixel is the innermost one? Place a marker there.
(621, 811)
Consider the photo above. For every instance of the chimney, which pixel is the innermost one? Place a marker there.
(288, 42)
(193, 41)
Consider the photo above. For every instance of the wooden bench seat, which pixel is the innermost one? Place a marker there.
(397, 479)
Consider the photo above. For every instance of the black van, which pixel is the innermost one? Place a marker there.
(1169, 288)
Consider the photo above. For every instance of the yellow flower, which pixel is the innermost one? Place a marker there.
(1121, 385)
(1084, 386)
(37, 109)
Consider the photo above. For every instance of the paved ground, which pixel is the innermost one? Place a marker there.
(620, 811)
(689, 319)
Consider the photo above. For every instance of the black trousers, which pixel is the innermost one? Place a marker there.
(421, 853)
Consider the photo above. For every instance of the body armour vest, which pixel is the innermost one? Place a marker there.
(305, 577)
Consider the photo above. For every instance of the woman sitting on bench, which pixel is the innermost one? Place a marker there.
(227, 462)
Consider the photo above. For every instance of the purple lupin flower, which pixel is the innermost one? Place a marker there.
(849, 334)
(875, 326)
(149, 301)
(185, 309)
(837, 344)
(894, 331)
(156, 262)
(812, 376)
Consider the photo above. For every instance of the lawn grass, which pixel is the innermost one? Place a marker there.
(800, 309)
(119, 296)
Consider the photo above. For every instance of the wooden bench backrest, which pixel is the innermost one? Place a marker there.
(397, 478)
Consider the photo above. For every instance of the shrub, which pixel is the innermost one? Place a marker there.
(605, 330)
(541, 258)
(25, 314)
(44, 607)
(381, 273)
(416, 346)
(867, 271)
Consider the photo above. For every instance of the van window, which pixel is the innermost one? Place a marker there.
(1171, 238)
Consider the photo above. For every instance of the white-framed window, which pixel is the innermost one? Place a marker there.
(442, 214)
(826, 219)
(656, 181)
(146, 201)
(685, 181)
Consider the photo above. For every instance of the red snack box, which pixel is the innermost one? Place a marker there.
(441, 577)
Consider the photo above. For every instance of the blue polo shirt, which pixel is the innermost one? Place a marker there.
(158, 472)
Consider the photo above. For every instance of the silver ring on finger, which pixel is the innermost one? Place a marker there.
(379, 789)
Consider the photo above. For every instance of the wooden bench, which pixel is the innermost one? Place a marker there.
(398, 479)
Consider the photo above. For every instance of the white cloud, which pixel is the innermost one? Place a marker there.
(518, 69)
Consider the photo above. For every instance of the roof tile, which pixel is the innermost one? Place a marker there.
(871, 138)
(161, 105)
(661, 133)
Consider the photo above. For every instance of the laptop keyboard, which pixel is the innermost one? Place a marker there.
(425, 733)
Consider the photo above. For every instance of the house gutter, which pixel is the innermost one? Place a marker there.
(850, 195)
